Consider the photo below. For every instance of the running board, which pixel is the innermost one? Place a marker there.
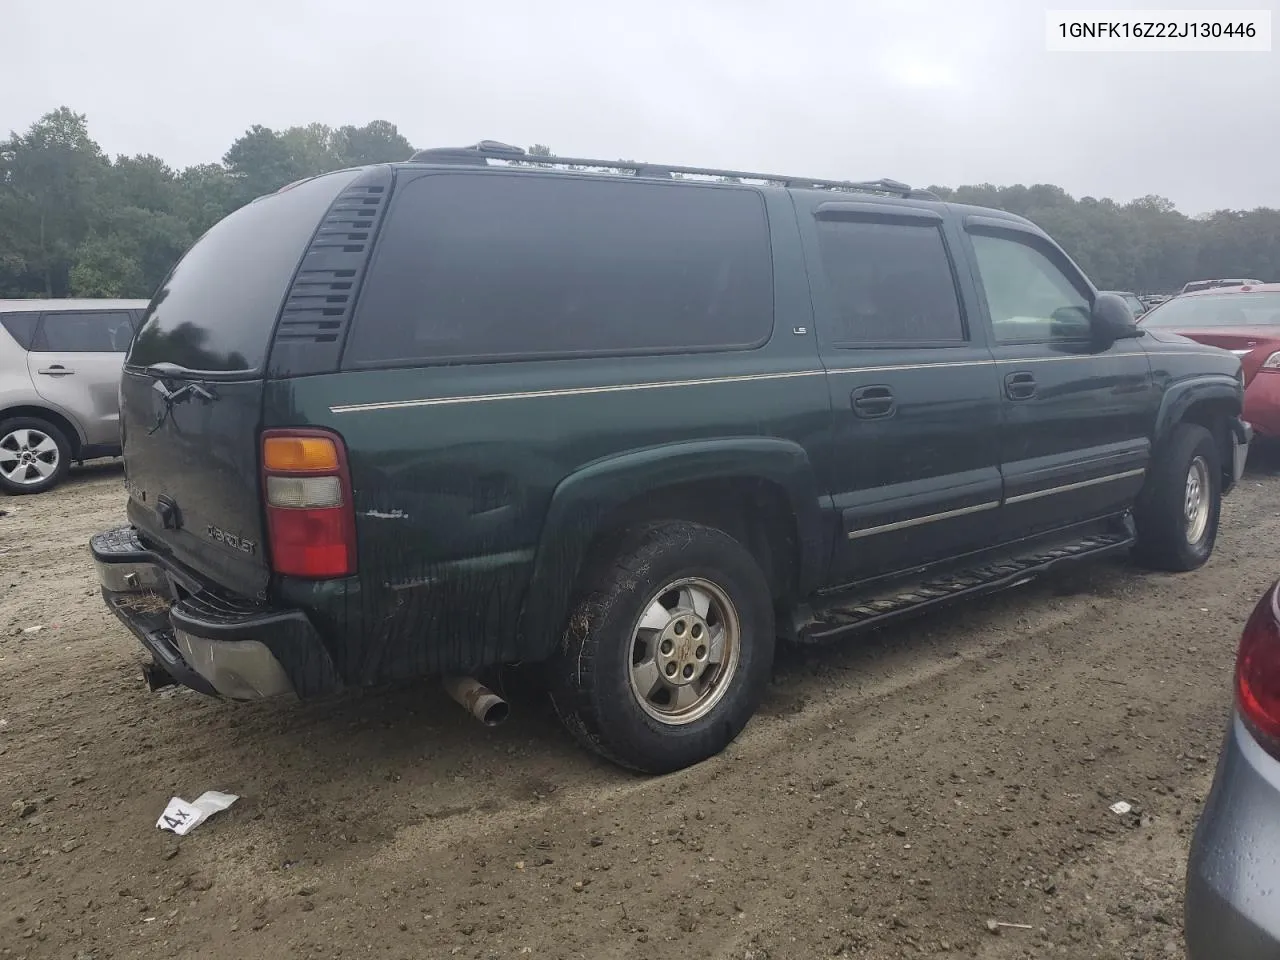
(845, 613)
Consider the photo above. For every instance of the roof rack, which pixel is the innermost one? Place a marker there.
(484, 151)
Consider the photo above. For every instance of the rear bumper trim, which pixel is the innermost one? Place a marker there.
(212, 644)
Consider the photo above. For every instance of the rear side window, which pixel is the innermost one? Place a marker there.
(216, 310)
(889, 283)
(505, 266)
(21, 326)
(102, 331)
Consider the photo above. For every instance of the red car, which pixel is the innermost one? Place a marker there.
(1244, 320)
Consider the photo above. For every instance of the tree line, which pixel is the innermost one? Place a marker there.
(75, 222)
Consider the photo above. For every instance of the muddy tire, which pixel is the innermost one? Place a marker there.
(34, 455)
(1177, 511)
(668, 650)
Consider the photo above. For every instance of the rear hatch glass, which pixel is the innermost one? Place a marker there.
(191, 461)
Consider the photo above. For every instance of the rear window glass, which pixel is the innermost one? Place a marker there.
(494, 266)
(104, 331)
(1217, 310)
(21, 326)
(217, 308)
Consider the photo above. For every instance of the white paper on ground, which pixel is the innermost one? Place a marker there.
(182, 817)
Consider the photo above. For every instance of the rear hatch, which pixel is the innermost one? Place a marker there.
(191, 394)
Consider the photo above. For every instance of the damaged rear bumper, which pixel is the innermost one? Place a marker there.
(219, 645)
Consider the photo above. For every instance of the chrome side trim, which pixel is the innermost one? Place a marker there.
(624, 387)
(1065, 488)
(918, 521)
(568, 391)
(708, 381)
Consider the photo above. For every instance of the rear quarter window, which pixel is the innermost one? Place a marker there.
(217, 309)
(506, 266)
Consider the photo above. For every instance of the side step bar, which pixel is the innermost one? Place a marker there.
(847, 613)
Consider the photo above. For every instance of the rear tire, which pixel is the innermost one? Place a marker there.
(1177, 511)
(667, 654)
(34, 455)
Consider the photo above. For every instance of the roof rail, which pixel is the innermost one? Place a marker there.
(484, 151)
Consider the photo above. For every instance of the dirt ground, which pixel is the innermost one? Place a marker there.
(893, 796)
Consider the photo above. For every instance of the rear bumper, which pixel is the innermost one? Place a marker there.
(1234, 865)
(218, 645)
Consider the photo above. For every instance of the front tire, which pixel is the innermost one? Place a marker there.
(34, 455)
(667, 655)
(1177, 512)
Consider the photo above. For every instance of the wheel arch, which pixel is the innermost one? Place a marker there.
(59, 420)
(1210, 402)
(761, 491)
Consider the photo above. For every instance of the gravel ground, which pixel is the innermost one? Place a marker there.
(895, 794)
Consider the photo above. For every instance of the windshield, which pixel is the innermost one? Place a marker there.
(1218, 310)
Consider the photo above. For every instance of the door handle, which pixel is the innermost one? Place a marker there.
(1020, 386)
(56, 370)
(873, 402)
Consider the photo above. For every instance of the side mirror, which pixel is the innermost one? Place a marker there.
(1112, 320)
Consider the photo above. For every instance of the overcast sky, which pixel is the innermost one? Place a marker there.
(925, 91)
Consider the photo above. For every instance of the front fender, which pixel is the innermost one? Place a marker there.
(582, 502)
(1182, 395)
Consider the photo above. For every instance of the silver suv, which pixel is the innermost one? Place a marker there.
(60, 363)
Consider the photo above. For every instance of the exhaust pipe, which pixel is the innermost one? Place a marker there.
(477, 699)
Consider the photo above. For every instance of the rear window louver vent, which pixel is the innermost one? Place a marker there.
(317, 311)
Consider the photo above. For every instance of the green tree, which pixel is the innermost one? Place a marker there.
(49, 177)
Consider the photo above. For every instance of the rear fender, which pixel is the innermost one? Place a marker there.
(583, 502)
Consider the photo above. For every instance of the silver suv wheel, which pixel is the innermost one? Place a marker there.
(28, 456)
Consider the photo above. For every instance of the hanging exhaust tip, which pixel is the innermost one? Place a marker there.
(478, 700)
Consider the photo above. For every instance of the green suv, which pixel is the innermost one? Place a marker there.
(633, 423)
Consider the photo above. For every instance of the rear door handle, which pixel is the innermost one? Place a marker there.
(873, 402)
(1020, 386)
(57, 370)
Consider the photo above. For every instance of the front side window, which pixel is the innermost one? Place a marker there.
(475, 267)
(87, 332)
(1030, 298)
(890, 283)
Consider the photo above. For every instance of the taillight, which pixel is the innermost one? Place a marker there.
(1258, 670)
(311, 520)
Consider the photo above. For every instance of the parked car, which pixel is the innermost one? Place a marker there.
(60, 364)
(1244, 320)
(1229, 907)
(1197, 285)
(1132, 301)
(431, 417)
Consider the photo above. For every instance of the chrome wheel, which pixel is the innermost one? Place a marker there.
(1196, 502)
(28, 456)
(685, 650)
